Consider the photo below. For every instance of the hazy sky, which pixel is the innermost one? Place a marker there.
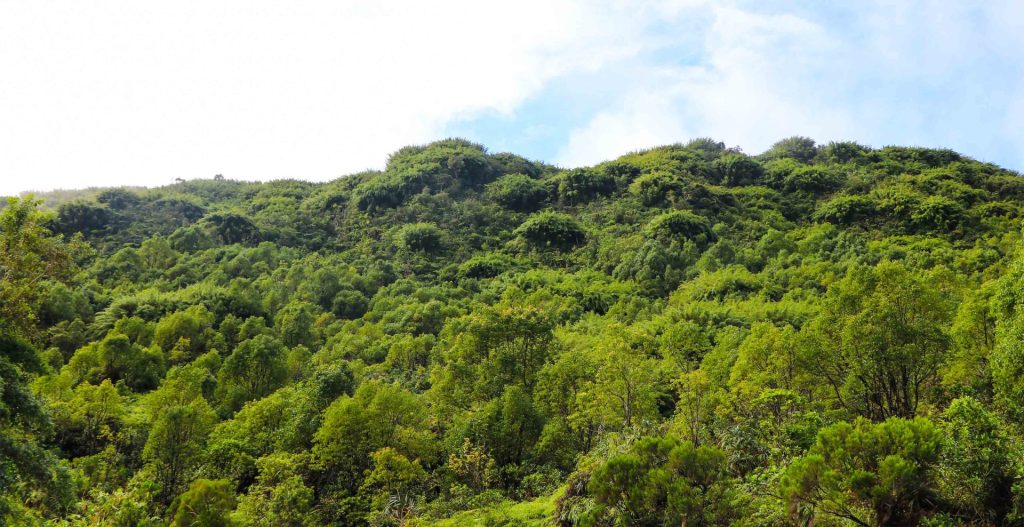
(127, 92)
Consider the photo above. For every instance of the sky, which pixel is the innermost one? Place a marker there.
(112, 92)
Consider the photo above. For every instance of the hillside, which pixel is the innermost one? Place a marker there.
(686, 335)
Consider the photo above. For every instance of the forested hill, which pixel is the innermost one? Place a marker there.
(818, 335)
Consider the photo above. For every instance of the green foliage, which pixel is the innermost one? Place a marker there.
(552, 231)
(657, 188)
(118, 359)
(976, 470)
(881, 339)
(25, 466)
(737, 170)
(230, 228)
(870, 474)
(662, 481)
(176, 443)
(29, 254)
(206, 504)
(255, 369)
(801, 149)
(376, 416)
(422, 237)
(582, 185)
(685, 335)
(518, 192)
(680, 225)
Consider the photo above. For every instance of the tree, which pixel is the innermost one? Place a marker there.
(1007, 364)
(394, 485)
(421, 237)
(626, 386)
(256, 368)
(799, 148)
(518, 192)
(207, 503)
(497, 346)
(880, 340)
(977, 471)
(186, 332)
(176, 444)
(25, 463)
(472, 466)
(698, 398)
(507, 427)
(231, 228)
(96, 412)
(662, 481)
(280, 497)
(295, 324)
(157, 253)
(848, 210)
(552, 231)
(578, 186)
(82, 216)
(657, 188)
(766, 359)
(377, 416)
(279, 422)
(869, 474)
(116, 358)
(734, 170)
(680, 225)
(29, 255)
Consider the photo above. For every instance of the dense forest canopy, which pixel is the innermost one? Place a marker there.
(823, 335)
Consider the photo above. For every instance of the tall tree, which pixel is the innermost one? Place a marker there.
(881, 339)
(29, 255)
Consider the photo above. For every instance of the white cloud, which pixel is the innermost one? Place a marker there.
(885, 74)
(747, 91)
(126, 92)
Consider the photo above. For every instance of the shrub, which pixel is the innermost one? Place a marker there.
(551, 230)
(582, 185)
(656, 188)
(680, 224)
(517, 192)
(737, 169)
(423, 237)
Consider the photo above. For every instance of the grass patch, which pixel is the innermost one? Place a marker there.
(536, 513)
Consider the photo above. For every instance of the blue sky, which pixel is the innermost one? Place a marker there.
(927, 73)
(125, 92)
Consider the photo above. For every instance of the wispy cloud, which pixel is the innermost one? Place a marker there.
(929, 73)
(142, 93)
(127, 92)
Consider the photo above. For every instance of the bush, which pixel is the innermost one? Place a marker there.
(582, 185)
(843, 152)
(486, 266)
(517, 192)
(656, 188)
(737, 170)
(422, 237)
(82, 216)
(812, 179)
(551, 230)
(847, 210)
(799, 148)
(389, 190)
(680, 224)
